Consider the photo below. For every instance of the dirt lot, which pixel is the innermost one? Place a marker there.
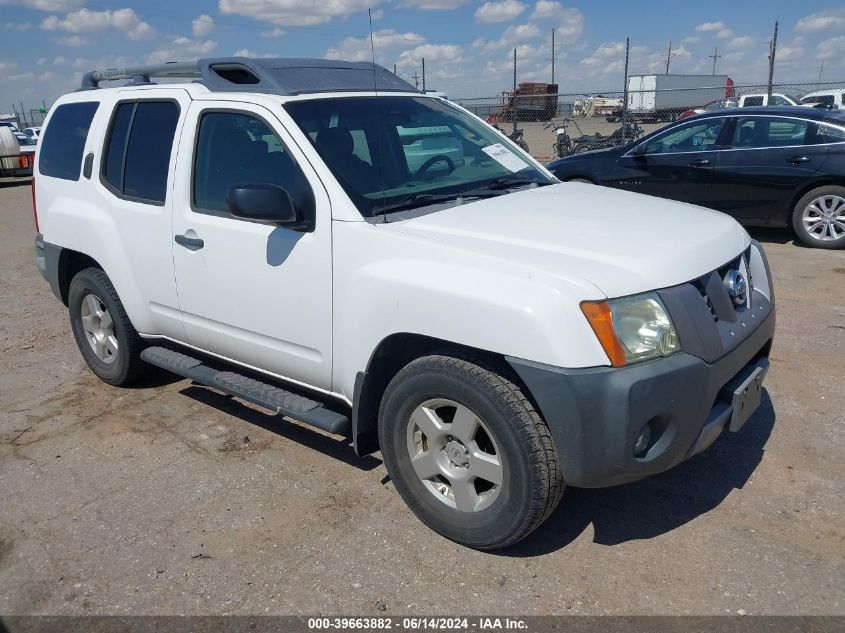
(171, 498)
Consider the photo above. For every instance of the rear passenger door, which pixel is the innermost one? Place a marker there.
(252, 291)
(765, 164)
(132, 172)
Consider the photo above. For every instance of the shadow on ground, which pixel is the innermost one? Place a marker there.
(661, 503)
(339, 449)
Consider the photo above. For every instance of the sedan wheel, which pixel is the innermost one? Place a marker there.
(824, 218)
(819, 217)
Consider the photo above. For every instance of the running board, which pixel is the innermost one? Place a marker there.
(245, 388)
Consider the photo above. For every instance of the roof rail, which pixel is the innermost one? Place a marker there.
(92, 79)
(275, 76)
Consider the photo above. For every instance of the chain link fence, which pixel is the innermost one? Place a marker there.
(550, 124)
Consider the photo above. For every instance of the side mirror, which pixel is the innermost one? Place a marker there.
(263, 201)
(639, 151)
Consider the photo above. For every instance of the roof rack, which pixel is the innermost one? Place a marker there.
(275, 76)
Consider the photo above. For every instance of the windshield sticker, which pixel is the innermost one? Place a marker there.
(505, 157)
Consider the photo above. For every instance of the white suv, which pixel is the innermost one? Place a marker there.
(495, 333)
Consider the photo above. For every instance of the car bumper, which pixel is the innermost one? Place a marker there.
(596, 414)
(47, 262)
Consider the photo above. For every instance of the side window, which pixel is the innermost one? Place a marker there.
(234, 148)
(752, 101)
(136, 157)
(64, 140)
(754, 132)
(779, 101)
(694, 137)
(821, 134)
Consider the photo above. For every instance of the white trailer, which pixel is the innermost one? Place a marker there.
(664, 97)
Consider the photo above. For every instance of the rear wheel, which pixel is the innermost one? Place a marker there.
(106, 338)
(467, 451)
(819, 217)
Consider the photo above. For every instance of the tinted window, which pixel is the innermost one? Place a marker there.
(779, 101)
(753, 101)
(116, 145)
(821, 134)
(769, 132)
(64, 140)
(820, 99)
(235, 149)
(148, 153)
(693, 137)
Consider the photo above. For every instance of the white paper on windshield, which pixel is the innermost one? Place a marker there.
(504, 157)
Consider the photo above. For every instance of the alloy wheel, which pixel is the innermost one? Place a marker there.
(98, 326)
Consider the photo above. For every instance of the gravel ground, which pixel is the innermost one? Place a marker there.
(173, 499)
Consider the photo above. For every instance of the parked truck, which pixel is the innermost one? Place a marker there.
(531, 101)
(654, 98)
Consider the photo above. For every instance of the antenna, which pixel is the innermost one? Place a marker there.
(378, 112)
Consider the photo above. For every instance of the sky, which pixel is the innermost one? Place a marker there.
(46, 45)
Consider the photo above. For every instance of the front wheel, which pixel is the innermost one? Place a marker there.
(468, 452)
(819, 217)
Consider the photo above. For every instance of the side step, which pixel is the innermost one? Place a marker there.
(262, 394)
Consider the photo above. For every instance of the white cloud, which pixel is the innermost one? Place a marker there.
(831, 48)
(358, 48)
(821, 21)
(430, 5)
(691, 39)
(744, 41)
(202, 25)
(245, 52)
(377, 14)
(17, 26)
(275, 32)
(724, 34)
(435, 55)
(503, 11)
(73, 41)
(706, 27)
(46, 5)
(180, 49)
(87, 21)
(547, 9)
(788, 53)
(512, 37)
(295, 12)
(572, 25)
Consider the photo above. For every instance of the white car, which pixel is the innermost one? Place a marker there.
(495, 333)
(33, 132)
(777, 99)
(834, 97)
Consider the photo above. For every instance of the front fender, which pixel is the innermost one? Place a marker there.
(391, 283)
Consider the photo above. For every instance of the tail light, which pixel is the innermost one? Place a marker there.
(34, 208)
(24, 161)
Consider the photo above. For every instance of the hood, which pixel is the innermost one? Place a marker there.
(621, 242)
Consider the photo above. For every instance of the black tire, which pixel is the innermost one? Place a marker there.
(798, 212)
(583, 148)
(127, 366)
(532, 483)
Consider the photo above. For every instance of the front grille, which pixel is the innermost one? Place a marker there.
(713, 282)
(700, 287)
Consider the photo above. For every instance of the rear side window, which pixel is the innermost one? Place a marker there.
(754, 132)
(138, 148)
(64, 140)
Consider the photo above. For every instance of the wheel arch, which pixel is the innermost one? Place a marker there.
(827, 181)
(70, 263)
(391, 355)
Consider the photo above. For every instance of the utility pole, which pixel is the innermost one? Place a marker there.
(669, 57)
(416, 79)
(423, 66)
(821, 70)
(554, 55)
(514, 100)
(714, 57)
(625, 95)
(394, 69)
(773, 45)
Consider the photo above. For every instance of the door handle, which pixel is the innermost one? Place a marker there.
(798, 159)
(699, 162)
(191, 243)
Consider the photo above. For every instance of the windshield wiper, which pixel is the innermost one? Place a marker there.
(421, 199)
(506, 183)
(495, 187)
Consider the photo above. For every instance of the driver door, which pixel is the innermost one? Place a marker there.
(251, 291)
(676, 164)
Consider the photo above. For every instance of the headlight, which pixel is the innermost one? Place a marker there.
(632, 329)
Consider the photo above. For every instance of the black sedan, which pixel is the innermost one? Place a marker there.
(766, 166)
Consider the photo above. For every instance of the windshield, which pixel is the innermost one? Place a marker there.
(386, 149)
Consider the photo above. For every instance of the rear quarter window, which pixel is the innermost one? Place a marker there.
(63, 140)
